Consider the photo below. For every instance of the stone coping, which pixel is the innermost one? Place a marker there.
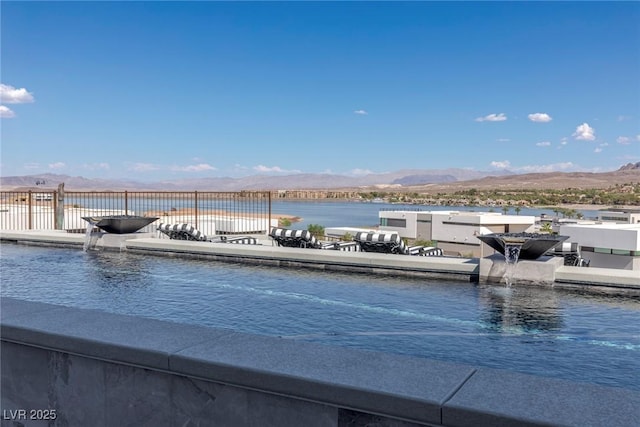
(598, 276)
(402, 387)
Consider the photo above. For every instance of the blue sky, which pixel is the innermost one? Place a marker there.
(169, 90)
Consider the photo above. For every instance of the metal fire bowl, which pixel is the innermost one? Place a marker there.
(534, 245)
(120, 224)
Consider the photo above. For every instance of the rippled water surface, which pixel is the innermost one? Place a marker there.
(543, 331)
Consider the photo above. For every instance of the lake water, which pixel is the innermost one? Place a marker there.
(542, 331)
(354, 214)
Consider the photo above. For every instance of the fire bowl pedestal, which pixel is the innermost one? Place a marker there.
(120, 224)
(532, 245)
(493, 269)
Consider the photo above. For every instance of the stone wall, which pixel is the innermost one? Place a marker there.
(90, 368)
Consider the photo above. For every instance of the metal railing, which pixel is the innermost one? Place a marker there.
(212, 212)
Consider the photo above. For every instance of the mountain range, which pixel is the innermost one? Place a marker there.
(414, 179)
(254, 182)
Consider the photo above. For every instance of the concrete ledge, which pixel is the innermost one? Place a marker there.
(492, 398)
(613, 278)
(120, 338)
(372, 382)
(493, 269)
(459, 268)
(163, 356)
(52, 237)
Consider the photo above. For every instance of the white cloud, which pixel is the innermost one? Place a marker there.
(553, 167)
(597, 150)
(276, 169)
(57, 165)
(361, 112)
(584, 132)
(543, 144)
(239, 168)
(6, 112)
(11, 95)
(201, 167)
(492, 118)
(143, 167)
(360, 172)
(638, 137)
(97, 166)
(540, 117)
(31, 165)
(624, 140)
(623, 118)
(604, 144)
(503, 140)
(505, 164)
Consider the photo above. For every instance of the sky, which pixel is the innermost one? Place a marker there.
(172, 90)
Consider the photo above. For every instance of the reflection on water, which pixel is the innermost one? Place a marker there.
(532, 309)
(537, 330)
(117, 270)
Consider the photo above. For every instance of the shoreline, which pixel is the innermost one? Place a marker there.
(577, 206)
(221, 212)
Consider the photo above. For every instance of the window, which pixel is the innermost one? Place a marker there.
(396, 222)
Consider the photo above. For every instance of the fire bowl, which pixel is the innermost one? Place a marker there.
(120, 224)
(533, 245)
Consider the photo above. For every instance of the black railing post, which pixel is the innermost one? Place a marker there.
(30, 210)
(126, 202)
(269, 202)
(55, 210)
(195, 197)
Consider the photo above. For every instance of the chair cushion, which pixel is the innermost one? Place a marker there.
(182, 232)
(294, 238)
(431, 251)
(245, 240)
(381, 242)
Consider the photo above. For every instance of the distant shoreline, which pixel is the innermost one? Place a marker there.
(310, 196)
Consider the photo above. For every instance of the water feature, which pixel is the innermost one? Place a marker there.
(532, 245)
(91, 223)
(120, 224)
(543, 331)
(517, 246)
(511, 256)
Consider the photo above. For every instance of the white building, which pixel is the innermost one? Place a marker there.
(620, 217)
(607, 245)
(454, 231)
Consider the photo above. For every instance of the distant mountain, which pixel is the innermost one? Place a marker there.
(423, 179)
(255, 182)
(409, 180)
(537, 181)
(630, 166)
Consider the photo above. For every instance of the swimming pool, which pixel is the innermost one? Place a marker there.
(542, 331)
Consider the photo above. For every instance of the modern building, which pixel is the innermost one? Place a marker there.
(454, 231)
(607, 245)
(620, 217)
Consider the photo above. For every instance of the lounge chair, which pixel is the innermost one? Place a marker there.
(391, 243)
(570, 251)
(304, 239)
(189, 232)
(431, 251)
